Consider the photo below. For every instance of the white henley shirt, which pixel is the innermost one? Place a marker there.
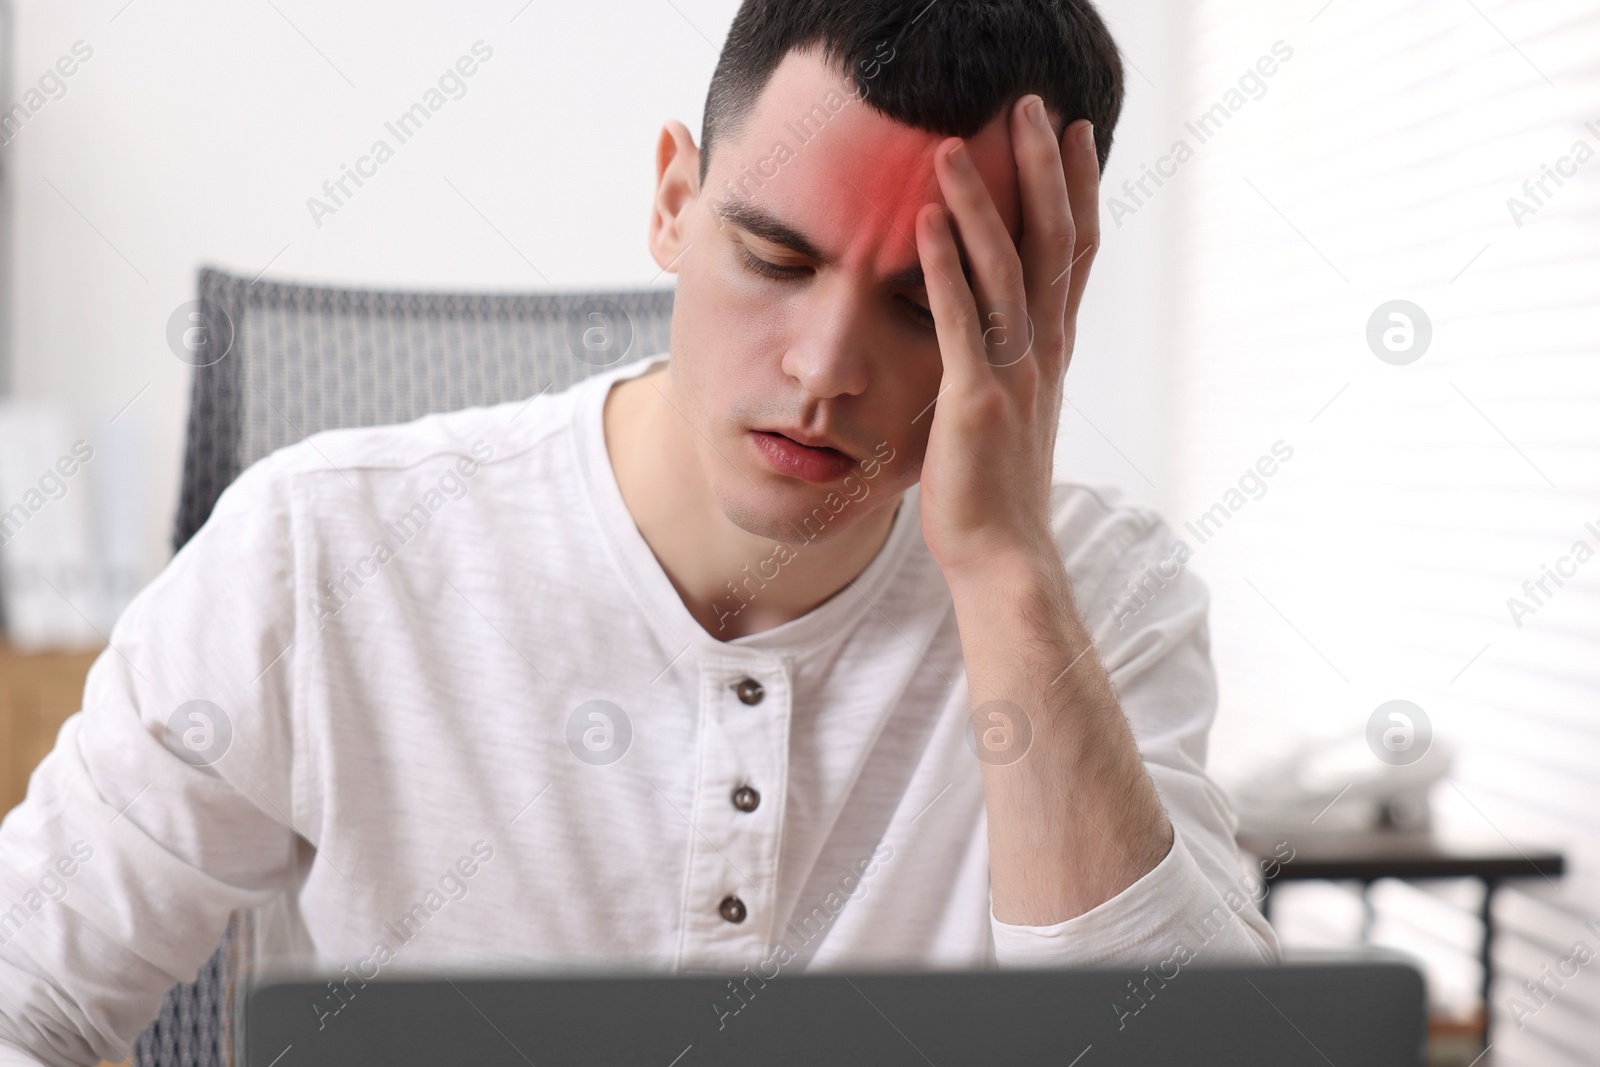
(423, 697)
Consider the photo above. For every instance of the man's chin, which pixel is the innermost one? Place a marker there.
(792, 514)
(796, 513)
(772, 519)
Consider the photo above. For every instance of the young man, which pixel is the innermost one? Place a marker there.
(783, 652)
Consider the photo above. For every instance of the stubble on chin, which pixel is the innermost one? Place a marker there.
(765, 522)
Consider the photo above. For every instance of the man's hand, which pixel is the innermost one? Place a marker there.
(986, 474)
(1073, 817)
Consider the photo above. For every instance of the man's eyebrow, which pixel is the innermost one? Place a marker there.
(764, 224)
(767, 226)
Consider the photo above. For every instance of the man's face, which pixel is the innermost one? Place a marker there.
(836, 347)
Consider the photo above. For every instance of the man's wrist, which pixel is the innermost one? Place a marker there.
(1008, 575)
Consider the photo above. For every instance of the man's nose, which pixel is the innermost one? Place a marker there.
(828, 356)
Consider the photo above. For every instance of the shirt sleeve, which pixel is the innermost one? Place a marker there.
(166, 802)
(1147, 613)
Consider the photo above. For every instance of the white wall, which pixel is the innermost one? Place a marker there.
(197, 132)
(1117, 418)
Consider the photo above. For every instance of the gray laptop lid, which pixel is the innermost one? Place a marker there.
(1357, 1013)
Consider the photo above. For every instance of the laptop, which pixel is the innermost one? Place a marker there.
(1362, 1011)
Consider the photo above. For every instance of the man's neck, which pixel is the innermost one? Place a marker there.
(657, 468)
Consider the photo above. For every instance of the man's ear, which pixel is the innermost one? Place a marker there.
(677, 190)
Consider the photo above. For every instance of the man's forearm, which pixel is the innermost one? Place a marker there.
(1075, 820)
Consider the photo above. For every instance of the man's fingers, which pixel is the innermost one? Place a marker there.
(955, 311)
(998, 275)
(1048, 232)
(1082, 164)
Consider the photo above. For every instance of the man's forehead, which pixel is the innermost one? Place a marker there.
(841, 174)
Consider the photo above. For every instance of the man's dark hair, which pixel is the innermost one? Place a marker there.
(954, 65)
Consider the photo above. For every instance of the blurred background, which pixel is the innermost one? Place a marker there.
(1342, 334)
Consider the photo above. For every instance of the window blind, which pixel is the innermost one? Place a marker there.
(1426, 541)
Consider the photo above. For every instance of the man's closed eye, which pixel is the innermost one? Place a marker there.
(756, 265)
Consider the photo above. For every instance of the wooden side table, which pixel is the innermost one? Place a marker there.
(38, 690)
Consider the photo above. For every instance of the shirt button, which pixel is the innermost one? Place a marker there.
(749, 690)
(746, 799)
(732, 909)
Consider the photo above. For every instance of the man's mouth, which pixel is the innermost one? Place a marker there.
(815, 463)
(799, 437)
